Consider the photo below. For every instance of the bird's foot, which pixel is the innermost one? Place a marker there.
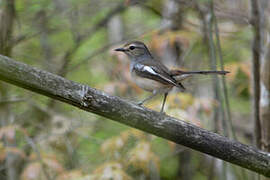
(162, 112)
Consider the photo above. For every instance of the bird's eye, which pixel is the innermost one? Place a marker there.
(131, 47)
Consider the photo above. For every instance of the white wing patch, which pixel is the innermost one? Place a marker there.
(144, 68)
(149, 69)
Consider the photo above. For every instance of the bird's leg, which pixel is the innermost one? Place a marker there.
(148, 98)
(164, 100)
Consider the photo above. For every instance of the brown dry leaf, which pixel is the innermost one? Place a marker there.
(33, 156)
(234, 68)
(141, 157)
(174, 101)
(60, 125)
(34, 169)
(206, 105)
(32, 172)
(16, 151)
(138, 134)
(126, 134)
(127, 2)
(246, 68)
(70, 175)
(180, 100)
(49, 160)
(8, 132)
(136, 88)
(133, 132)
(154, 104)
(172, 145)
(239, 75)
(112, 145)
(159, 41)
(54, 165)
(110, 171)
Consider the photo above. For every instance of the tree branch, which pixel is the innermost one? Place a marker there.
(117, 109)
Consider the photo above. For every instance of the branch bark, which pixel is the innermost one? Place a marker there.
(122, 111)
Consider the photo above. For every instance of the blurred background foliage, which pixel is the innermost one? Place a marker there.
(44, 139)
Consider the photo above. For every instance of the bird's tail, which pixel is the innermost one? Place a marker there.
(179, 72)
(181, 76)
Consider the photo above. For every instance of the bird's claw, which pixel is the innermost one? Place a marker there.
(162, 112)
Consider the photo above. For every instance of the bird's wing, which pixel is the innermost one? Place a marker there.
(151, 71)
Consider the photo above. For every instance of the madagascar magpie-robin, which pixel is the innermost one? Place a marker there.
(151, 75)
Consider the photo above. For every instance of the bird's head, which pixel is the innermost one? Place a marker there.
(135, 49)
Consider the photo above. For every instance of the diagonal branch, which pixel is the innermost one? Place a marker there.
(122, 111)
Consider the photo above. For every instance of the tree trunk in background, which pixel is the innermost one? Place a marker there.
(6, 26)
(115, 29)
(172, 20)
(265, 89)
(42, 25)
(172, 15)
(206, 13)
(185, 170)
(265, 102)
(6, 29)
(261, 73)
(257, 56)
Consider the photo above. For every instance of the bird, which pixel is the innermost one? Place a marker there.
(153, 76)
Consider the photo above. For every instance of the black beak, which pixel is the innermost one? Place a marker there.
(120, 49)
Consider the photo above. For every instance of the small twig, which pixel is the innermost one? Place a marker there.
(36, 150)
(11, 101)
(225, 90)
(101, 50)
(88, 34)
(91, 56)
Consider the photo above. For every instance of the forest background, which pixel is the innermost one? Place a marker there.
(42, 138)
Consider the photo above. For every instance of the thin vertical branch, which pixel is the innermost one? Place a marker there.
(213, 57)
(36, 150)
(219, 111)
(7, 18)
(225, 98)
(257, 55)
(225, 90)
